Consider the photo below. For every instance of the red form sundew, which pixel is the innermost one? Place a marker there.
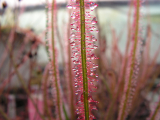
(75, 42)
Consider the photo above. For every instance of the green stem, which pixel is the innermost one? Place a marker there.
(9, 48)
(24, 85)
(46, 109)
(54, 64)
(83, 56)
(65, 113)
(155, 112)
(4, 114)
(133, 59)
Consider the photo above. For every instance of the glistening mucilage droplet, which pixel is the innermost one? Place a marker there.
(94, 21)
(69, 6)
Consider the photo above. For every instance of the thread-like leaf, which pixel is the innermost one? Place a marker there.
(54, 63)
(124, 110)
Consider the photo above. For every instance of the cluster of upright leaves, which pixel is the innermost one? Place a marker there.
(82, 42)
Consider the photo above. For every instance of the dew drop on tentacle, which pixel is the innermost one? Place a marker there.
(94, 39)
(97, 31)
(96, 75)
(73, 43)
(93, 27)
(72, 29)
(72, 34)
(69, 6)
(91, 74)
(73, 16)
(94, 21)
(93, 6)
(95, 46)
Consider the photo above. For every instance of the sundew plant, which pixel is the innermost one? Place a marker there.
(92, 86)
(82, 48)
